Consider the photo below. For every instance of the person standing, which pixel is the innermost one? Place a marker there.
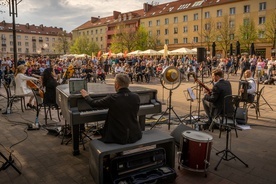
(251, 91)
(121, 124)
(245, 65)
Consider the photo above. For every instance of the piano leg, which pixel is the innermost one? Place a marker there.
(75, 138)
(142, 120)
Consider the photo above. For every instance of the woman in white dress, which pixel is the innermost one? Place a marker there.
(21, 88)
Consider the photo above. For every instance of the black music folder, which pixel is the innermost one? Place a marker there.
(76, 84)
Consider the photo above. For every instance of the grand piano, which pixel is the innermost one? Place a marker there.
(76, 110)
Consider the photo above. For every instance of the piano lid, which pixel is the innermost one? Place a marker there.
(97, 89)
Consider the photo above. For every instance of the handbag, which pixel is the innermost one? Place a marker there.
(241, 116)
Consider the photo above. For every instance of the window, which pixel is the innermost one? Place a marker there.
(19, 50)
(101, 38)
(47, 39)
(18, 37)
(207, 15)
(19, 43)
(185, 40)
(175, 30)
(232, 11)
(26, 44)
(246, 9)
(96, 31)
(218, 25)
(158, 22)
(206, 38)
(167, 41)
(158, 32)
(26, 37)
(175, 20)
(232, 36)
(262, 6)
(150, 23)
(11, 49)
(87, 32)
(231, 23)
(219, 13)
(158, 42)
(11, 37)
(261, 34)
(91, 31)
(101, 30)
(207, 26)
(185, 29)
(195, 39)
(53, 39)
(150, 33)
(166, 31)
(261, 20)
(195, 27)
(11, 42)
(166, 21)
(185, 18)
(175, 41)
(96, 39)
(245, 21)
(196, 16)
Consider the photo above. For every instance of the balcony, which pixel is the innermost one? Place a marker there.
(40, 40)
(33, 39)
(4, 45)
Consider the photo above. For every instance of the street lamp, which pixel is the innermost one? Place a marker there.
(13, 12)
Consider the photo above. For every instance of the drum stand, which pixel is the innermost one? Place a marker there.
(227, 153)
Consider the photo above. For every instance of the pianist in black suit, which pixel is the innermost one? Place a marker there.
(121, 125)
(213, 102)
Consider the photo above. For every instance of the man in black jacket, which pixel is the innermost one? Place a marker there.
(121, 124)
(213, 102)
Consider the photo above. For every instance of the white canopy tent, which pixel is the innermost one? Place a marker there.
(137, 52)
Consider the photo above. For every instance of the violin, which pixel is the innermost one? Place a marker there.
(31, 84)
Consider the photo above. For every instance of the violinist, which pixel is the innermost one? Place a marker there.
(21, 84)
(213, 102)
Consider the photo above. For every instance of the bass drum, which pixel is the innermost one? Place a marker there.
(196, 148)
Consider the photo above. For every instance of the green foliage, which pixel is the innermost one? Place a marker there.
(270, 29)
(62, 43)
(247, 34)
(82, 45)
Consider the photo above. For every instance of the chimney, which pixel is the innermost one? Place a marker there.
(28, 26)
(116, 14)
(146, 7)
(94, 19)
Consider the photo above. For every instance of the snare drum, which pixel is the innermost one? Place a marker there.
(196, 147)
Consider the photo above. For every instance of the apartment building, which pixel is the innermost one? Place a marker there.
(183, 23)
(31, 40)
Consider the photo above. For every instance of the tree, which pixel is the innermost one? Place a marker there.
(208, 32)
(247, 33)
(224, 30)
(62, 43)
(82, 45)
(270, 29)
(123, 39)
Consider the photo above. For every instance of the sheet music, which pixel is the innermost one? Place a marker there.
(191, 93)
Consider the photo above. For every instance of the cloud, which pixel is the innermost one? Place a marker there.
(68, 14)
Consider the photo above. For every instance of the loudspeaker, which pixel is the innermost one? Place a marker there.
(177, 133)
(201, 54)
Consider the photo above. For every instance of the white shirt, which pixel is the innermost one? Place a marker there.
(21, 85)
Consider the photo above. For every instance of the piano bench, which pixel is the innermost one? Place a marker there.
(98, 150)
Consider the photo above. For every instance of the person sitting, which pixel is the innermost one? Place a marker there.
(100, 74)
(8, 75)
(21, 84)
(213, 101)
(50, 84)
(121, 124)
(251, 90)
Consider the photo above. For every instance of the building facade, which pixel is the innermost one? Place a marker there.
(191, 23)
(31, 40)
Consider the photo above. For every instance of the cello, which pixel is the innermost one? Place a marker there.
(31, 84)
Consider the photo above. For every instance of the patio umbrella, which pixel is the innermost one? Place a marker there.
(137, 52)
(150, 52)
(213, 49)
(238, 48)
(182, 51)
(231, 49)
(252, 49)
(165, 54)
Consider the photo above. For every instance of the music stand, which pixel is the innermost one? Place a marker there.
(190, 96)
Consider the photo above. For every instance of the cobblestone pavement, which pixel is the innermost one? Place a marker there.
(41, 158)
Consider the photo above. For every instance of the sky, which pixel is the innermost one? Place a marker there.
(68, 14)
